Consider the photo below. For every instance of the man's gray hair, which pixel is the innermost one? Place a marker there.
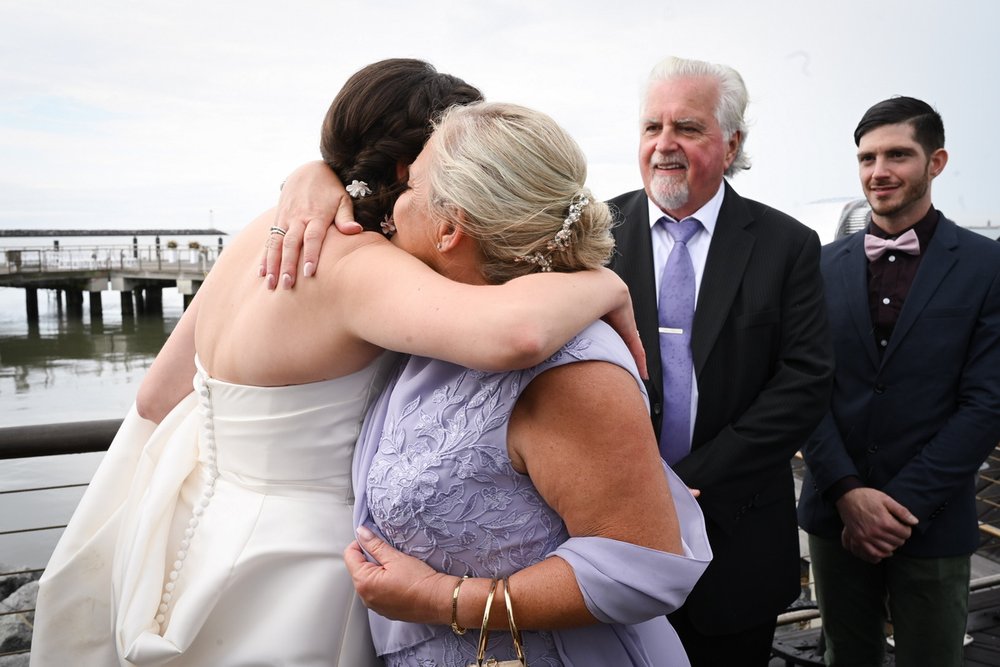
(733, 98)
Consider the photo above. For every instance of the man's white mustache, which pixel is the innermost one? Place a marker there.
(668, 160)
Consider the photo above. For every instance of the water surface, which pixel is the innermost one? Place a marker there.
(64, 370)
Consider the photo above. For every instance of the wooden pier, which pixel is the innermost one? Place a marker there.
(138, 273)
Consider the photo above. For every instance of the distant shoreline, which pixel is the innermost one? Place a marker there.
(10, 233)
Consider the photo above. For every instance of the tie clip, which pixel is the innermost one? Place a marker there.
(671, 330)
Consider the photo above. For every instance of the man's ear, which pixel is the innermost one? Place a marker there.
(939, 159)
(733, 147)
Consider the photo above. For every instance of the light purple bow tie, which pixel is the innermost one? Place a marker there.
(876, 246)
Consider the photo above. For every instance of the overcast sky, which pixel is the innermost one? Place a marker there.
(133, 113)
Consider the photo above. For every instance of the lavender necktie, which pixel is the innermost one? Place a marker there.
(676, 311)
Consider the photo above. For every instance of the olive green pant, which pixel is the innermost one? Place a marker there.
(926, 598)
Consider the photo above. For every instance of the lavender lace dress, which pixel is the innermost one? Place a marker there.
(433, 477)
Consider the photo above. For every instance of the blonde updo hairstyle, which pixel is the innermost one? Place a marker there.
(512, 173)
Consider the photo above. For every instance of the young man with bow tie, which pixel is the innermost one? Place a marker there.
(889, 496)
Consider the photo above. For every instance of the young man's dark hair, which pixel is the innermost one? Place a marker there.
(928, 128)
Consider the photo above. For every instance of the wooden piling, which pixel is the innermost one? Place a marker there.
(31, 304)
(127, 308)
(96, 307)
(140, 302)
(74, 304)
(153, 300)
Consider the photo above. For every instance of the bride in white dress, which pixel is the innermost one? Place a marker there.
(213, 531)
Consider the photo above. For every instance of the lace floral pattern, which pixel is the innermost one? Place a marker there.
(442, 488)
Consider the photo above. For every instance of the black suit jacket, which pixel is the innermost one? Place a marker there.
(763, 365)
(917, 422)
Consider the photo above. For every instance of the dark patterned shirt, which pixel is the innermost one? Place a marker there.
(891, 275)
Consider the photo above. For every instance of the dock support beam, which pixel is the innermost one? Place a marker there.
(96, 307)
(153, 301)
(31, 304)
(127, 308)
(140, 303)
(74, 304)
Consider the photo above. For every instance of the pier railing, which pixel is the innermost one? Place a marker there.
(144, 258)
(21, 442)
(137, 273)
(33, 441)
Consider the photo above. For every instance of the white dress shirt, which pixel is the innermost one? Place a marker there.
(663, 243)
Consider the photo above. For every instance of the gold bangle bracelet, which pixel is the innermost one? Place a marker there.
(514, 632)
(484, 632)
(455, 627)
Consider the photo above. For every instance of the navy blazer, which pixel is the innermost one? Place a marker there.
(918, 422)
(764, 368)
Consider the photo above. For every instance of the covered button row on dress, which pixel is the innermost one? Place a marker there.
(210, 475)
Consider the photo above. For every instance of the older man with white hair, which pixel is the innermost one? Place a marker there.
(729, 302)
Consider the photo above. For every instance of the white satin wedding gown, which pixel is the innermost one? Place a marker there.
(216, 538)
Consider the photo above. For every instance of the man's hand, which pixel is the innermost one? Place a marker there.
(310, 199)
(875, 525)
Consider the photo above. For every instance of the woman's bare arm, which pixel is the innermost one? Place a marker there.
(590, 417)
(313, 196)
(401, 587)
(395, 301)
(169, 378)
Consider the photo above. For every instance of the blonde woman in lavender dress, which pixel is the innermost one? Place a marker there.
(549, 475)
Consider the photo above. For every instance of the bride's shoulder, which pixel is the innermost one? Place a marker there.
(351, 250)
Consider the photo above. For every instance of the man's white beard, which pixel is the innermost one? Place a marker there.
(669, 194)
